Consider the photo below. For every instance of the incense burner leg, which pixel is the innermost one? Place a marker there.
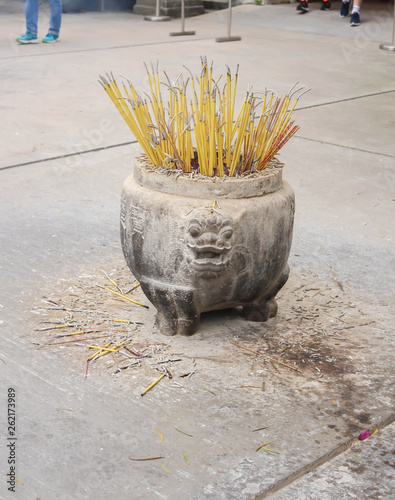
(265, 307)
(176, 313)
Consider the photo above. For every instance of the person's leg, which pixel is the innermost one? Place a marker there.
(56, 16)
(326, 5)
(356, 6)
(355, 21)
(303, 6)
(31, 14)
(345, 8)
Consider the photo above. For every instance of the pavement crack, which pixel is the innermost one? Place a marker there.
(338, 101)
(60, 157)
(344, 146)
(320, 461)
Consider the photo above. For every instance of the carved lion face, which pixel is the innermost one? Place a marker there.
(210, 237)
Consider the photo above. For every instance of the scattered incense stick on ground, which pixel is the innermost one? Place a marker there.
(102, 348)
(160, 434)
(130, 322)
(71, 334)
(112, 281)
(126, 298)
(16, 479)
(91, 309)
(260, 354)
(182, 432)
(263, 445)
(133, 288)
(153, 384)
(271, 452)
(167, 470)
(208, 390)
(98, 352)
(99, 308)
(52, 328)
(145, 459)
(81, 340)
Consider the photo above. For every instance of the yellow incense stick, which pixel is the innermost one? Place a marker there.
(127, 298)
(153, 384)
(219, 143)
(98, 352)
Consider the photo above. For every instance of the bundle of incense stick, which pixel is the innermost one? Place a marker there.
(204, 135)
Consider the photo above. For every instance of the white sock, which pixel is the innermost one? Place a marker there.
(355, 9)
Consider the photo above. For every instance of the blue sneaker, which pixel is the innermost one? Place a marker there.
(354, 21)
(28, 37)
(51, 38)
(345, 8)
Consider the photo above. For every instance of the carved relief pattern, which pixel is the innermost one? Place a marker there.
(210, 238)
(123, 213)
(123, 225)
(138, 216)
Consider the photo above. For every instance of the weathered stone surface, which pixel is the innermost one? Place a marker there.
(194, 253)
(366, 470)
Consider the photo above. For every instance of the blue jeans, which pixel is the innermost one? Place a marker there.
(31, 12)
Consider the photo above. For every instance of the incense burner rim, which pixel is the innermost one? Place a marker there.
(261, 183)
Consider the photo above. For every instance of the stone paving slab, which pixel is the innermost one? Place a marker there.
(366, 470)
(380, 108)
(308, 416)
(302, 418)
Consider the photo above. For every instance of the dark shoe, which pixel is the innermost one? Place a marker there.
(354, 21)
(326, 5)
(303, 7)
(345, 9)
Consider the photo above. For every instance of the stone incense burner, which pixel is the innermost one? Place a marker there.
(206, 244)
(206, 219)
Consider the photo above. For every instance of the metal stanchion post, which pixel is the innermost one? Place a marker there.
(229, 38)
(388, 46)
(182, 32)
(157, 16)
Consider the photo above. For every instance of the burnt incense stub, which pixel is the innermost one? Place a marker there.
(202, 245)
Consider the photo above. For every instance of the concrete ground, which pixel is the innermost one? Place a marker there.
(65, 153)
